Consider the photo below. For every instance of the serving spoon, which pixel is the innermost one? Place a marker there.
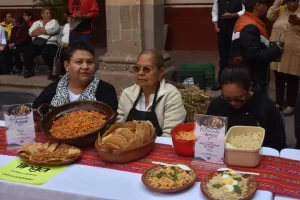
(182, 166)
(239, 172)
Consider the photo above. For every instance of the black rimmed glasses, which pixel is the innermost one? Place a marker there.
(240, 99)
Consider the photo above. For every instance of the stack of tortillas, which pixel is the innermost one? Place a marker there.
(127, 136)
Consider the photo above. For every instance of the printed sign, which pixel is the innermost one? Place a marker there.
(21, 172)
(210, 133)
(20, 125)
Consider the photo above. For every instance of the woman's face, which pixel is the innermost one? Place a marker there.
(235, 95)
(292, 5)
(26, 17)
(46, 15)
(81, 66)
(147, 75)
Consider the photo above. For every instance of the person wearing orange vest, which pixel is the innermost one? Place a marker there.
(250, 43)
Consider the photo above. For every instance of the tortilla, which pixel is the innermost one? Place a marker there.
(117, 140)
(126, 133)
(128, 136)
(112, 146)
(135, 143)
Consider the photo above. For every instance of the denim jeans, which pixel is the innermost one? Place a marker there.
(85, 37)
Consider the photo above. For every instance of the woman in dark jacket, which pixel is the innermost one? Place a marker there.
(245, 107)
(81, 82)
(18, 41)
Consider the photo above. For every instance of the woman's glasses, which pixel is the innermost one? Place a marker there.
(145, 69)
(240, 99)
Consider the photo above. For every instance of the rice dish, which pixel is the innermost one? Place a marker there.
(244, 140)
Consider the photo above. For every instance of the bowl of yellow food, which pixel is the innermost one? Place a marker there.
(243, 144)
(183, 138)
(168, 179)
(123, 143)
(228, 185)
(76, 123)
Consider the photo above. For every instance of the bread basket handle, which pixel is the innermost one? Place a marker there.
(44, 107)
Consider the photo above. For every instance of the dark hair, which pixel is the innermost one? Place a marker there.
(236, 75)
(156, 56)
(20, 20)
(29, 14)
(78, 45)
(5, 14)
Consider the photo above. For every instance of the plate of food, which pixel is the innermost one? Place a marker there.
(49, 154)
(20, 110)
(229, 185)
(169, 179)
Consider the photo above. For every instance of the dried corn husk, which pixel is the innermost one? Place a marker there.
(195, 101)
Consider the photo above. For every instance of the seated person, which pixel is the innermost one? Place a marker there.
(28, 17)
(81, 82)
(151, 98)
(48, 29)
(18, 41)
(3, 43)
(244, 107)
(297, 122)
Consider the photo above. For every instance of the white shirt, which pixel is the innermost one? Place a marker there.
(66, 33)
(141, 105)
(2, 36)
(52, 28)
(72, 96)
(215, 11)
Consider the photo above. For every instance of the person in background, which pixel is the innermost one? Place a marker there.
(250, 42)
(82, 13)
(243, 107)
(7, 24)
(63, 40)
(224, 16)
(297, 122)
(3, 42)
(48, 29)
(287, 70)
(81, 82)
(18, 42)
(28, 17)
(151, 98)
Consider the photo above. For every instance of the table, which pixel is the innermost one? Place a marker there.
(290, 154)
(82, 182)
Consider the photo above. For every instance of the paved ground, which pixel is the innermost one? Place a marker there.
(178, 57)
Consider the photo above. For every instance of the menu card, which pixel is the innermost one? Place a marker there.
(210, 133)
(20, 125)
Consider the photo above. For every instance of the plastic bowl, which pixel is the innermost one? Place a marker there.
(183, 147)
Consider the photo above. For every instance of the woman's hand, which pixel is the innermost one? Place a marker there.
(216, 27)
(11, 45)
(2, 48)
(65, 45)
(294, 21)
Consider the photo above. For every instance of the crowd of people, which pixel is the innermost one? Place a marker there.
(246, 53)
(22, 40)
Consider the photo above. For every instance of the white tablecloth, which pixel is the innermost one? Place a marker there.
(82, 182)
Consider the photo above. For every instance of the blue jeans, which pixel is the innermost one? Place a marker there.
(85, 37)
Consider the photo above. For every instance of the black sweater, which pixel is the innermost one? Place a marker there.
(105, 93)
(258, 110)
